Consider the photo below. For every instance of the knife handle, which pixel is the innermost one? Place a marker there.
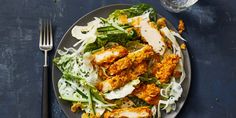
(45, 112)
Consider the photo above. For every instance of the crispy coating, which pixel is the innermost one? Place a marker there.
(119, 65)
(87, 115)
(122, 78)
(110, 55)
(166, 67)
(181, 26)
(183, 46)
(161, 22)
(177, 74)
(139, 112)
(168, 44)
(148, 92)
(75, 107)
(123, 19)
(156, 58)
(133, 58)
(136, 21)
(153, 25)
(126, 102)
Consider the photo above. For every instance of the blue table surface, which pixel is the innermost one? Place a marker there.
(211, 35)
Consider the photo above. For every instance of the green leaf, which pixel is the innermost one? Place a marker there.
(116, 36)
(138, 102)
(133, 11)
(148, 79)
(91, 47)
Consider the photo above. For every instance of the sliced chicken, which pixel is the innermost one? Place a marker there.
(123, 78)
(166, 67)
(152, 36)
(110, 55)
(139, 112)
(148, 92)
(133, 58)
(119, 65)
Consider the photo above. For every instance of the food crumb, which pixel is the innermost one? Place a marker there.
(183, 46)
(75, 106)
(136, 21)
(123, 19)
(89, 115)
(181, 26)
(177, 74)
(161, 22)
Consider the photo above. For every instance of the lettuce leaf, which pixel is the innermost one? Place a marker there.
(104, 35)
(133, 11)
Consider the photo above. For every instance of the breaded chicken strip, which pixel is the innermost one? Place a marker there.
(132, 58)
(166, 67)
(139, 112)
(119, 65)
(148, 92)
(110, 55)
(123, 78)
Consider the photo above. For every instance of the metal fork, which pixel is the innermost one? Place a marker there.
(45, 44)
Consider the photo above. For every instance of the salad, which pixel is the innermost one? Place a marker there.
(127, 65)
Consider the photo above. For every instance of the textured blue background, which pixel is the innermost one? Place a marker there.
(211, 34)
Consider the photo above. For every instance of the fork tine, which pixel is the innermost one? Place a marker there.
(51, 40)
(41, 33)
(47, 25)
(44, 33)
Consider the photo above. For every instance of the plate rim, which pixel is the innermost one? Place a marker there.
(189, 67)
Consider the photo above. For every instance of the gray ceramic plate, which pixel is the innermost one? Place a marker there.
(68, 41)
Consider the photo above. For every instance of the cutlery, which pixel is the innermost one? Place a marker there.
(45, 45)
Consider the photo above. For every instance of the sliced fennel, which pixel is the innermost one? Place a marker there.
(78, 65)
(67, 92)
(154, 111)
(67, 51)
(79, 76)
(73, 91)
(86, 34)
(123, 91)
(177, 35)
(172, 92)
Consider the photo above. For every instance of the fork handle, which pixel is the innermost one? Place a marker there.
(45, 112)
